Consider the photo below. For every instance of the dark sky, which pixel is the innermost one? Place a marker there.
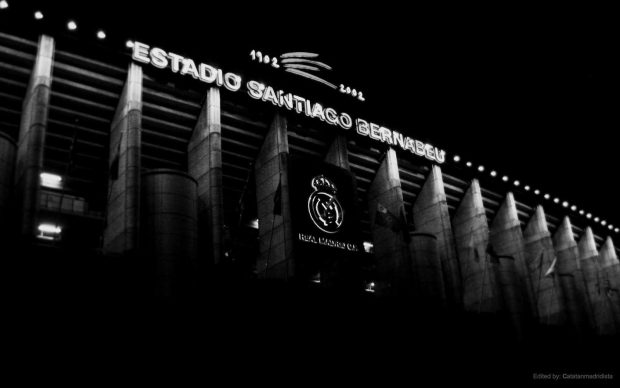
(531, 92)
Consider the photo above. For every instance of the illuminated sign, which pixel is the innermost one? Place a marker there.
(323, 206)
(292, 62)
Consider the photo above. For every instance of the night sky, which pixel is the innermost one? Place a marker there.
(529, 92)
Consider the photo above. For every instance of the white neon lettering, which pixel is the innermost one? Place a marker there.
(141, 52)
(255, 89)
(159, 58)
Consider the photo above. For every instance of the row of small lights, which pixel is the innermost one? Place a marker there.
(556, 200)
(72, 26)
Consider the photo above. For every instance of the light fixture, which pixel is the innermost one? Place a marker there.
(589, 215)
(52, 181)
(517, 183)
(481, 168)
(468, 164)
(129, 44)
(581, 212)
(457, 158)
(556, 200)
(71, 25)
(596, 219)
(4, 4)
(493, 173)
(603, 222)
(617, 230)
(547, 196)
(611, 227)
(527, 188)
(368, 247)
(536, 191)
(505, 178)
(38, 15)
(565, 204)
(101, 34)
(573, 208)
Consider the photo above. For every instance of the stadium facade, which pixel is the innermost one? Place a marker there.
(184, 167)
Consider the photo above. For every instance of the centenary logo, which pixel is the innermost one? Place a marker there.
(323, 206)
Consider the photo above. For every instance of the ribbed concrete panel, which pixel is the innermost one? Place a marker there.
(481, 289)
(506, 240)
(385, 206)
(121, 234)
(602, 313)
(31, 141)
(568, 274)
(610, 277)
(427, 279)
(338, 153)
(275, 232)
(204, 154)
(540, 258)
(430, 215)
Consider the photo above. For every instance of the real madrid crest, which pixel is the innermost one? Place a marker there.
(323, 206)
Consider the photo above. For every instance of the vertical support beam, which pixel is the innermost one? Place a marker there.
(471, 232)
(507, 241)
(121, 234)
(610, 278)
(338, 153)
(204, 154)
(31, 141)
(274, 216)
(386, 210)
(568, 274)
(540, 257)
(430, 215)
(602, 316)
(8, 149)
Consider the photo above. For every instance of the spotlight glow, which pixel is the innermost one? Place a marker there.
(493, 173)
(72, 26)
(457, 158)
(4, 4)
(617, 230)
(481, 168)
(505, 178)
(573, 208)
(536, 191)
(129, 44)
(589, 215)
(603, 222)
(611, 227)
(565, 204)
(596, 219)
(517, 183)
(556, 200)
(547, 196)
(468, 164)
(101, 34)
(527, 188)
(581, 212)
(38, 15)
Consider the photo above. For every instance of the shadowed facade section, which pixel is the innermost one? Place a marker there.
(7, 167)
(204, 154)
(31, 141)
(121, 235)
(272, 198)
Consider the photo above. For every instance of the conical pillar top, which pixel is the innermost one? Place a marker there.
(587, 245)
(564, 237)
(537, 225)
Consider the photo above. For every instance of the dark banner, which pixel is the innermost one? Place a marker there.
(325, 217)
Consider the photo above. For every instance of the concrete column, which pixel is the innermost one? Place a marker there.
(540, 257)
(430, 215)
(338, 153)
(121, 234)
(610, 278)
(385, 206)
(471, 232)
(7, 175)
(602, 313)
(204, 154)
(507, 242)
(427, 278)
(31, 141)
(274, 230)
(568, 274)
